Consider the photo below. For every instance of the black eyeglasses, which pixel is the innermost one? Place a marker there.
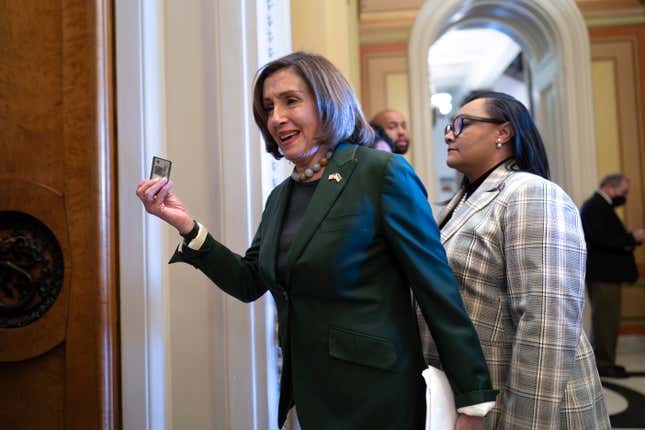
(457, 125)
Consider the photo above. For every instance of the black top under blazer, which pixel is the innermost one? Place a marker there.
(352, 354)
(610, 247)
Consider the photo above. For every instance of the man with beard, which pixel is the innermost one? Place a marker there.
(394, 124)
(610, 263)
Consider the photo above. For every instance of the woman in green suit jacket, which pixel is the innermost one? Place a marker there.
(339, 246)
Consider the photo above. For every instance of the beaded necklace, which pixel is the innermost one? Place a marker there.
(310, 171)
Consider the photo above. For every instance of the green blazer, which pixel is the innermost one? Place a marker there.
(351, 348)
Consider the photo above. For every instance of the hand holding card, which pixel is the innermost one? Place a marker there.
(158, 200)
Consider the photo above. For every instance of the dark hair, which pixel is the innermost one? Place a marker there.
(339, 112)
(529, 152)
(380, 135)
(613, 180)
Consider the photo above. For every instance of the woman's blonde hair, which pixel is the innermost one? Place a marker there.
(341, 118)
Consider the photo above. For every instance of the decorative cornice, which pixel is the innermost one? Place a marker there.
(588, 8)
(369, 6)
(610, 8)
(606, 13)
(382, 26)
(400, 18)
(384, 37)
(615, 21)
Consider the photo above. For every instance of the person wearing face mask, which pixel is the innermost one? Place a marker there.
(610, 263)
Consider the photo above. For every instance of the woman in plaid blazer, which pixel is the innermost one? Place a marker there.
(515, 244)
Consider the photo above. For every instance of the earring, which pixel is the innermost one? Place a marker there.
(498, 145)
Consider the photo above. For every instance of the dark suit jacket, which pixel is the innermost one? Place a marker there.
(610, 247)
(352, 355)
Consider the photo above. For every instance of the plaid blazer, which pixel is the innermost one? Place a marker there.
(517, 251)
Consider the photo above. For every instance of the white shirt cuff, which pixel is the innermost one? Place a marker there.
(478, 410)
(199, 240)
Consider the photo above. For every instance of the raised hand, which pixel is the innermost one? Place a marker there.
(159, 201)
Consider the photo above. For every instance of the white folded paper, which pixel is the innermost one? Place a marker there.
(440, 402)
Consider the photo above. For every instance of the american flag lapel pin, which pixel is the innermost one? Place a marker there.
(335, 177)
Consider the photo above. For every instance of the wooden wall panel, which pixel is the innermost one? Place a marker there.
(624, 46)
(631, 75)
(37, 392)
(31, 96)
(56, 128)
(626, 140)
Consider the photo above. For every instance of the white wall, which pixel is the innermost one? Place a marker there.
(192, 357)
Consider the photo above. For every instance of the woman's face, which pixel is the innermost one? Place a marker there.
(292, 116)
(473, 152)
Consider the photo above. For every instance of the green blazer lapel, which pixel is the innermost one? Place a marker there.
(334, 179)
(272, 229)
(481, 198)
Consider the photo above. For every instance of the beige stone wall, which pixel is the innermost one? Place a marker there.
(329, 28)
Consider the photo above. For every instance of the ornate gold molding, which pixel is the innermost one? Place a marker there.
(390, 26)
(610, 8)
(378, 24)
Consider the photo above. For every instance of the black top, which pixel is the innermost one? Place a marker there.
(470, 188)
(301, 194)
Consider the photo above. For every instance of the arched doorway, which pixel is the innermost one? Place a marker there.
(554, 39)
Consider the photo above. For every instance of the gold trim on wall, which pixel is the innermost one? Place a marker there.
(610, 8)
(389, 5)
(378, 23)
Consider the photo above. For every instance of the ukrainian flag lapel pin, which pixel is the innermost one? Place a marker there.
(335, 177)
